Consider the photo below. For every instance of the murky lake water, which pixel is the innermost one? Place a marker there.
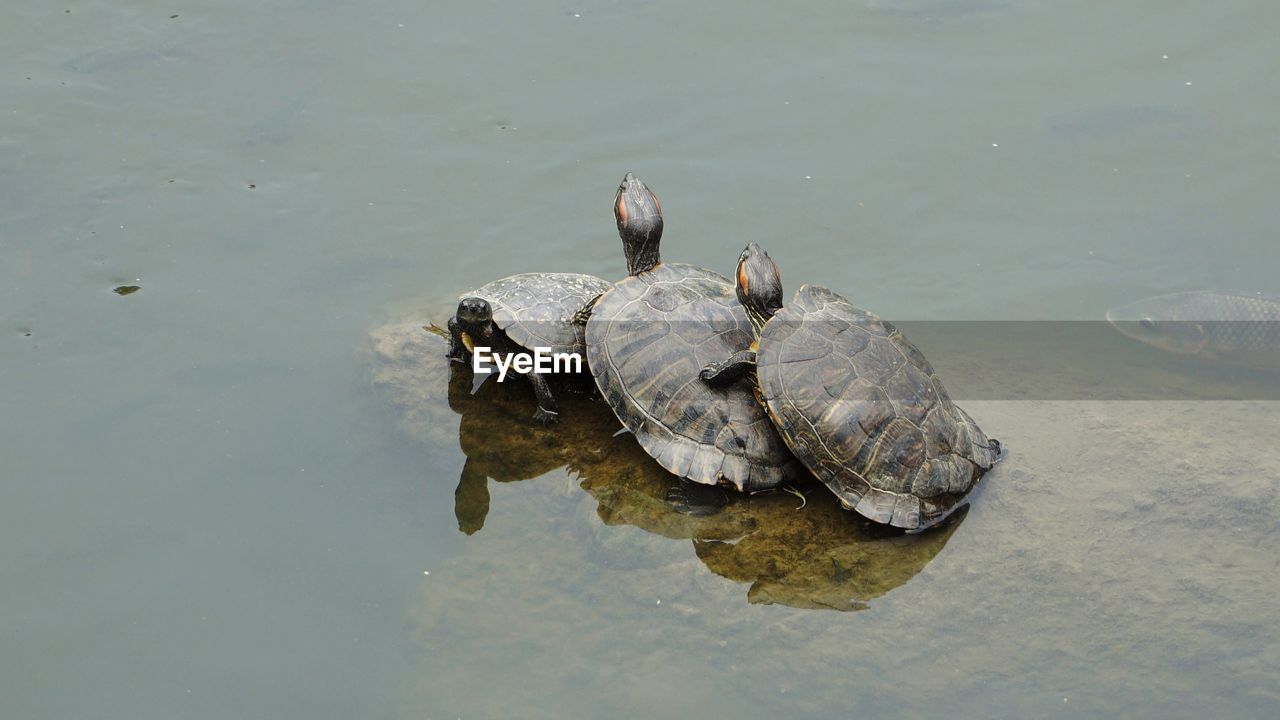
(223, 498)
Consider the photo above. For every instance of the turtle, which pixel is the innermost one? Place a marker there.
(855, 401)
(525, 312)
(647, 339)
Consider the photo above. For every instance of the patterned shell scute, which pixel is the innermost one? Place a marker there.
(647, 340)
(861, 408)
(536, 309)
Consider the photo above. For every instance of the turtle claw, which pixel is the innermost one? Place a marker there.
(803, 499)
(546, 417)
(998, 450)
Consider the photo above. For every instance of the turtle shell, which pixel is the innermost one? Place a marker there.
(647, 340)
(862, 409)
(536, 309)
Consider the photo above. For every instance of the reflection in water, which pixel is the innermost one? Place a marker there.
(504, 444)
(801, 551)
(805, 554)
(494, 429)
(822, 558)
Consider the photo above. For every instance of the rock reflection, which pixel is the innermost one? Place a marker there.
(801, 550)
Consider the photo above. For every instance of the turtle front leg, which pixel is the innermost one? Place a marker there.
(548, 409)
(739, 365)
(457, 349)
(581, 317)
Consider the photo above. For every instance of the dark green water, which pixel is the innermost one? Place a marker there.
(214, 507)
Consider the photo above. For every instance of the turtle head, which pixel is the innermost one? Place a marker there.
(475, 317)
(759, 285)
(639, 217)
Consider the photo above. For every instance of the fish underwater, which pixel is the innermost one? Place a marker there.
(1229, 327)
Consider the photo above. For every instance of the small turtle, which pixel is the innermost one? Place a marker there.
(648, 338)
(523, 312)
(855, 401)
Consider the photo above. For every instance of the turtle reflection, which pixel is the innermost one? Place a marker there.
(502, 444)
(822, 558)
(801, 553)
(806, 553)
(494, 431)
